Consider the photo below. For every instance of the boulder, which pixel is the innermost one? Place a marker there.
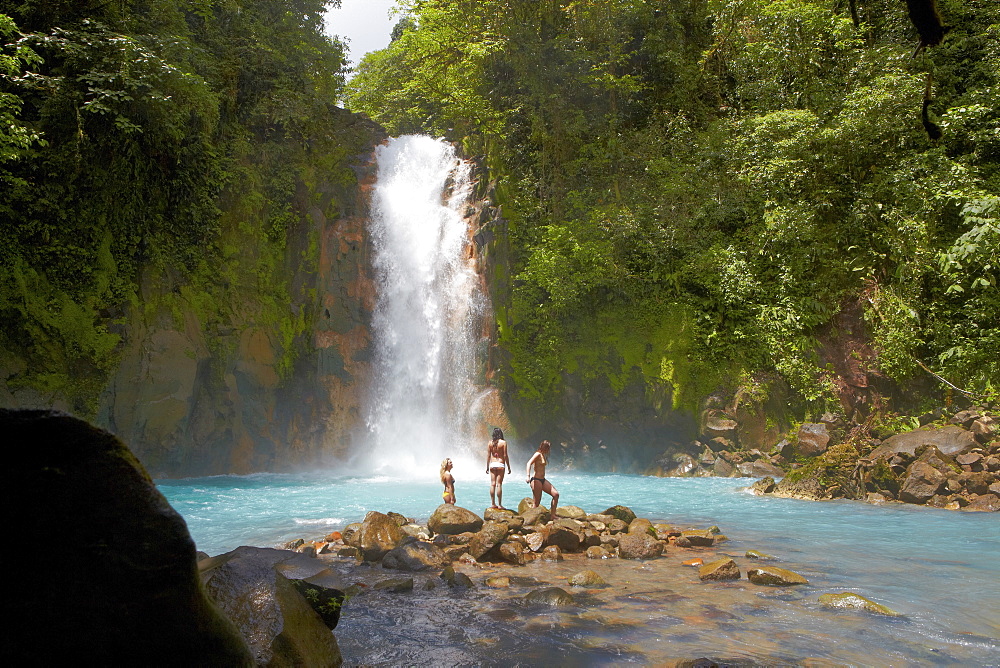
(394, 585)
(772, 575)
(922, 482)
(512, 553)
(378, 534)
(278, 623)
(598, 552)
(976, 482)
(718, 425)
(754, 554)
(536, 540)
(986, 503)
(552, 553)
(641, 525)
(950, 440)
(617, 526)
(664, 531)
(763, 486)
(639, 546)
(720, 569)
(415, 556)
(697, 538)
(417, 531)
(498, 514)
(587, 579)
(623, 513)
(456, 579)
(552, 596)
(571, 512)
(524, 504)
(724, 469)
(813, 438)
(401, 520)
(761, 467)
(565, 534)
(491, 535)
(853, 601)
(129, 591)
(533, 516)
(452, 520)
(984, 429)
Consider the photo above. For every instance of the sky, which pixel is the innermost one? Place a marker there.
(365, 23)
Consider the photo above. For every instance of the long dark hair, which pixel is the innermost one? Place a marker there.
(497, 434)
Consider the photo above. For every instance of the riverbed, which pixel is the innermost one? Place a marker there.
(939, 569)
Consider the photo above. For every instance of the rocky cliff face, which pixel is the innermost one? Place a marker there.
(264, 377)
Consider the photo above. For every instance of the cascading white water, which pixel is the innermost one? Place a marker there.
(427, 309)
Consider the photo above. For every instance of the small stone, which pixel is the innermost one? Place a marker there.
(513, 553)
(698, 537)
(986, 503)
(772, 575)
(855, 602)
(456, 579)
(754, 554)
(720, 569)
(692, 562)
(552, 553)
(763, 486)
(587, 579)
(623, 513)
(498, 582)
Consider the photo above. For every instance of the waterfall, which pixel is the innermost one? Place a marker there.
(427, 313)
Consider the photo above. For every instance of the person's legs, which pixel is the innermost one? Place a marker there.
(499, 476)
(551, 490)
(536, 492)
(493, 488)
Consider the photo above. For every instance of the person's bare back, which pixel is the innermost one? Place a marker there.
(497, 463)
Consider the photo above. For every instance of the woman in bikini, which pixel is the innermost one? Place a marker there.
(496, 462)
(537, 481)
(449, 482)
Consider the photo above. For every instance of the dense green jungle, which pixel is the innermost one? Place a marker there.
(790, 205)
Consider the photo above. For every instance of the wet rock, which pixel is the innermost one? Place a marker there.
(297, 543)
(498, 514)
(129, 589)
(598, 552)
(853, 601)
(986, 503)
(664, 531)
(609, 542)
(512, 553)
(623, 513)
(277, 621)
(922, 482)
(587, 579)
(394, 585)
(491, 535)
(813, 439)
(536, 540)
(697, 538)
(449, 519)
(720, 569)
(984, 429)
(533, 516)
(552, 596)
(565, 535)
(308, 550)
(591, 538)
(326, 601)
(498, 582)
(456, 579)
(552, 553)
(399, 519)
(378, 534)
(639, 546)
(754, 554)
(763, 486)
(723, 469)
(976, 482)
(350, 552)
(349, 531)
(772, 575)
(616, 526)
(949, 440)
(760, 467)
(876, 499)
(571, 512)
(415, 556)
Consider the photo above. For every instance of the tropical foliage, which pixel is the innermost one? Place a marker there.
(695, 190)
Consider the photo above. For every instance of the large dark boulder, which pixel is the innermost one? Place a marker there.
(415, 556)
(279, 624)
(128, 593)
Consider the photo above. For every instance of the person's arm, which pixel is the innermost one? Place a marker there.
(506, 459)
(527, 468)
(488, 456)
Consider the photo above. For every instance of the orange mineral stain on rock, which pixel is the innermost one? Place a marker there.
(693, 562)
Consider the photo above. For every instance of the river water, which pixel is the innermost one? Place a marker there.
(940, 569)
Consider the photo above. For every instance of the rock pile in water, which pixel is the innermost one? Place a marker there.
(455, 534)
(956, 467)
